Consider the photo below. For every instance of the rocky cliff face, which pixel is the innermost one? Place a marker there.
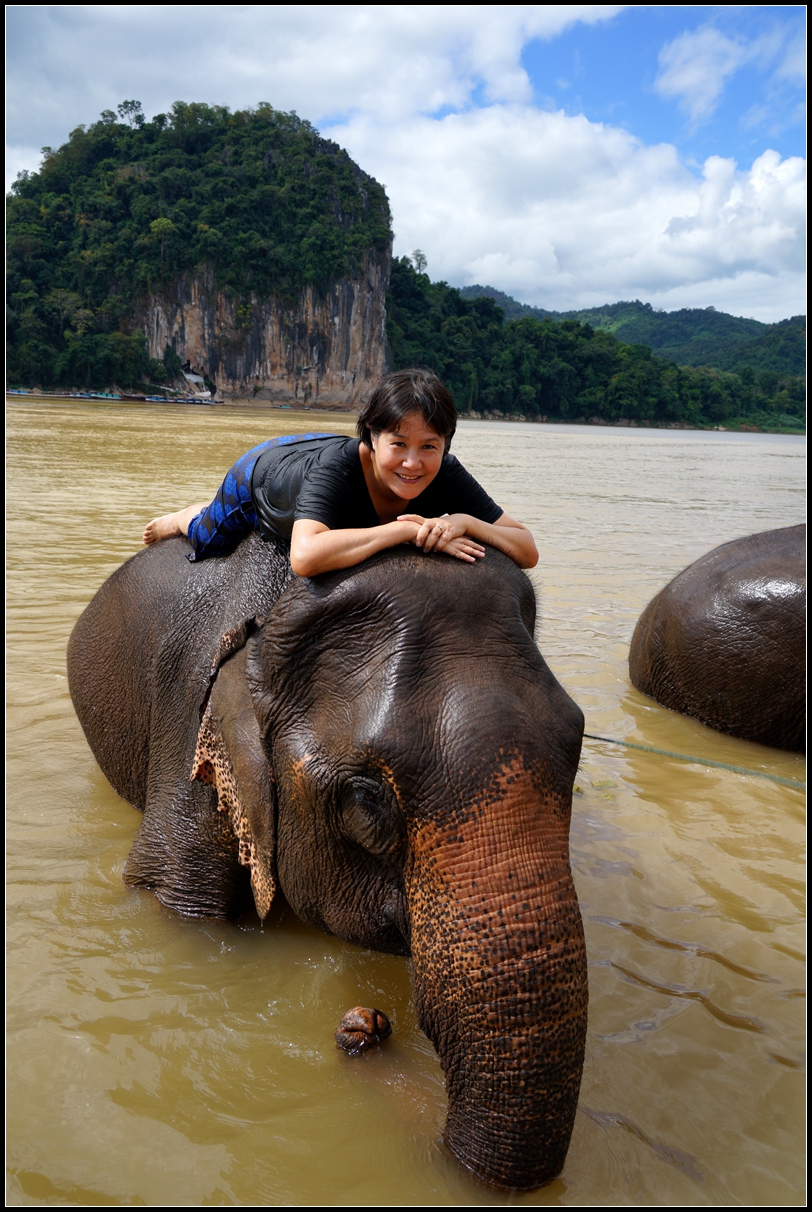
(324, 351)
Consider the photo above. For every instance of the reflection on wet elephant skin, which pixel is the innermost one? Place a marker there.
(387, 747)
(725, 641)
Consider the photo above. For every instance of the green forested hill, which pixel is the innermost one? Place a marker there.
(690, 337)
(126, 205)
(779, 350)
(570, 369)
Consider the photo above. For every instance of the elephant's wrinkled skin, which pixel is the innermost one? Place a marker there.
(724, 642)
(390, 749)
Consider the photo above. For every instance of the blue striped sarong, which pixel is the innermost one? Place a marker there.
(218, 528)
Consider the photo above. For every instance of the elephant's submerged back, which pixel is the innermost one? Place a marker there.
(724, 642)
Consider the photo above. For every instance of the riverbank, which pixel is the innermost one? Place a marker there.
(124, 397)
(737, 425)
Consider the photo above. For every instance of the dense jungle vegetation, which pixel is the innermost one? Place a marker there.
(570, 369)
(691, 337)
(126, 205)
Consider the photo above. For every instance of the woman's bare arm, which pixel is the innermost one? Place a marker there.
(314, 548)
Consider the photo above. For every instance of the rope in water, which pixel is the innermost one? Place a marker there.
(684, 757)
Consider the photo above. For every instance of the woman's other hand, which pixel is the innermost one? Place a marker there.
(506, 534)
(448, 534)
(462, 548)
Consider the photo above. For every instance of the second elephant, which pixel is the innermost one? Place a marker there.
(725, 641)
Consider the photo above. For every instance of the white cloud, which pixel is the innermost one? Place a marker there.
(68, 62)
(746, 221)
(695, 67)
(562, 212)
(793, 65)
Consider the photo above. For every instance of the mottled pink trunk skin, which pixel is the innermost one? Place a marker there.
(500, 977)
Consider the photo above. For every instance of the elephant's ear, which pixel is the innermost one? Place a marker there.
(229, 757)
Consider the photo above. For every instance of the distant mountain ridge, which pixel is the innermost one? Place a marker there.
(690, 337)
(550, 368)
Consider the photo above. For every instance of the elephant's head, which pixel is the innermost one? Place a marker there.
(424, 756)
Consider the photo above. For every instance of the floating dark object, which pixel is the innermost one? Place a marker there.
(361, 1028)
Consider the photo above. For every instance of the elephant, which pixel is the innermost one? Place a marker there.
(724, 641)
(385, 748)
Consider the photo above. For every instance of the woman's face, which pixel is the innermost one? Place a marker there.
(407, 460)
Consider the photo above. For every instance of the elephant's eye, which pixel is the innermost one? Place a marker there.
(369, 819)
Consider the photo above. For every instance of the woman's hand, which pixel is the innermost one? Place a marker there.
(462, 548)
(447, 534)
(462, 536)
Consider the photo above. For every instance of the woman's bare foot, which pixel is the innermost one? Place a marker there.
(170, 524)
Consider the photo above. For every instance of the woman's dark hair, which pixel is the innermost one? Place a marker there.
(404, 392)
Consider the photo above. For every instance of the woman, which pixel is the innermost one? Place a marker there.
(339, 500)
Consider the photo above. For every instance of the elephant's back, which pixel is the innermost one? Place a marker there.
(724, 642)
(145, 643)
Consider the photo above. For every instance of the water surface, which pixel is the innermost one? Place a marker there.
(154, 1060)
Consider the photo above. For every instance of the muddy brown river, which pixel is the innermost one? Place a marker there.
(153, 1060)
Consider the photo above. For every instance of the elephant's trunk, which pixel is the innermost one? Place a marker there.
(500, 977)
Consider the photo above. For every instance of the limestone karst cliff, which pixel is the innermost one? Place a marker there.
(327, 349)
(242, 243)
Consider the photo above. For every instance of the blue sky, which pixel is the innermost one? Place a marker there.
(610, 71)
(568, 154)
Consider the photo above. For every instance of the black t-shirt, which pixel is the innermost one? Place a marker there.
(322, 479)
